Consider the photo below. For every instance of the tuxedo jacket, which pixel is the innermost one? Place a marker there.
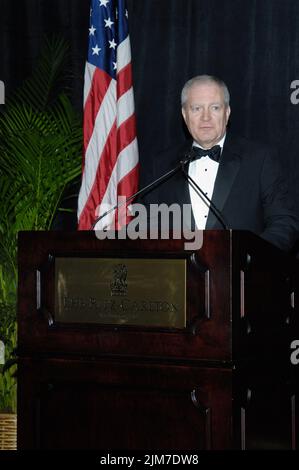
(250, 191)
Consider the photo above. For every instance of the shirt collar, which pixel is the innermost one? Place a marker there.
(221, 143)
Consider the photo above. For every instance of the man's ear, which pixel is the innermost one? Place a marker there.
(227, 113)
(184, 113)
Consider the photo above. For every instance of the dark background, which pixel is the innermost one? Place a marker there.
(252, 45)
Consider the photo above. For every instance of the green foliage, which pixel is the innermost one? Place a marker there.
(8, 336)
(40, 155)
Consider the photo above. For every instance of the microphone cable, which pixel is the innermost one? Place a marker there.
(200, 193)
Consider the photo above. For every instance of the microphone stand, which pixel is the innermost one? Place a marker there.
(181, 166)
(141, 191)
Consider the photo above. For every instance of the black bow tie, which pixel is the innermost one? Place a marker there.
(213, 153)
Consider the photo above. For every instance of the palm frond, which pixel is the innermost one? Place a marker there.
(40, 155)
(42, 87)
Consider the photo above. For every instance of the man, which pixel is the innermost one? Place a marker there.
(241, 178)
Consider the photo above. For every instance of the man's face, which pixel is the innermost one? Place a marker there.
(206, 114)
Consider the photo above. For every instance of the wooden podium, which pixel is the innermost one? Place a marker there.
(223, 380)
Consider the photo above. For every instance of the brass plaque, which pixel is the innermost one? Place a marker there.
(118, 291)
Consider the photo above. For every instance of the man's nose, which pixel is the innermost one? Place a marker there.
(206, 115)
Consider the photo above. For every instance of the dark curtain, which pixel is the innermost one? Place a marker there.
(251, 44)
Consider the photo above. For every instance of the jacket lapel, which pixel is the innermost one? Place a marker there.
(228, 168)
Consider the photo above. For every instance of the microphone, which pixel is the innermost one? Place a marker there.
(188, 157)
(141, 191)
(195, 186)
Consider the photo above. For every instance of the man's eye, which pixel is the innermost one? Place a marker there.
(195, 109)
(216, 107)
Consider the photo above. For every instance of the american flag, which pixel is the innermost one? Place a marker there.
(110, 150)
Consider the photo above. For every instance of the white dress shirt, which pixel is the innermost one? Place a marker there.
(203, 172)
